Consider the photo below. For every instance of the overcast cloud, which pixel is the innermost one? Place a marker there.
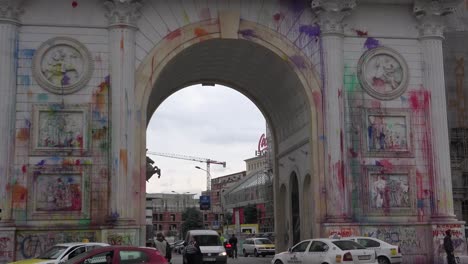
(215, 123)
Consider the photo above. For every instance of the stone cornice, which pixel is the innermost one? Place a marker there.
(123, 12)
(431, 16)
(331, 13)
(10, 10)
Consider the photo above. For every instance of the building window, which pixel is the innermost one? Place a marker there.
(173, 227)
(216, 217)
(161, 217)
(172, 217)
(205, 217)
(160, 227)
(207, 226)
(465, 210)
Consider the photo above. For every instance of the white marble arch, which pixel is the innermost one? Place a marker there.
(281, 90)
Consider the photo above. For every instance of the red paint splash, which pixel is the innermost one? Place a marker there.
(24, 169)
(317, 96)
(23, 134)
(19, 194)
(378, 82)
(353, 153)
(361, 33)
(277, 17)
(199, 32)
(77, 162)
(385, 164)
(340, 93)
(376, 104)
(419, 100)
(338, 167)
(74, 3)
(174, 34)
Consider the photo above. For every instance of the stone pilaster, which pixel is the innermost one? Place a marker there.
(331, 14)
(9, 21)
(122, 28)
(431, 26)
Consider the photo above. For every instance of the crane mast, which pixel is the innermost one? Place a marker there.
(192, 158)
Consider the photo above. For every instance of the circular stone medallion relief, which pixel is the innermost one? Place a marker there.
(62, 65)
(383, 73)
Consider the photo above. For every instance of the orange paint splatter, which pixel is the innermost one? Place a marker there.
(122, 43)
(174, 34)
(200, 32)
(19, 193)
(23, 134)
(124, 159)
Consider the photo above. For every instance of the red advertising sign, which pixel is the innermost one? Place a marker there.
(262, 145)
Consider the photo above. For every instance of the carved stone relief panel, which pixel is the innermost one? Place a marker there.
(383, 73)
(62, 65)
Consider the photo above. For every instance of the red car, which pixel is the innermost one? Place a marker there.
(119, 254)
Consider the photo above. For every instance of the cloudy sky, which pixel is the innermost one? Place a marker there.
(209, 122)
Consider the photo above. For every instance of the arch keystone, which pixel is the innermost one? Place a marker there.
(229, 23)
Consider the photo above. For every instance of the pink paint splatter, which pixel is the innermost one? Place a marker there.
(24, 168)
(277, 17)
(317, 96)
(419, 100)
(376, 104)
(174, 34)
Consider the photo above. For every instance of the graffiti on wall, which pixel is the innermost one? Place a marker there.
(122, 238)
(31, 244)
(409, 239)
(58, 193)
(341, 232)
(6, 247)
(458, 238)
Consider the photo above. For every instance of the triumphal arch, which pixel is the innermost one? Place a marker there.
(354, 92)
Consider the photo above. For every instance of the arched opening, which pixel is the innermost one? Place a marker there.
(295, 209)
(284, 91)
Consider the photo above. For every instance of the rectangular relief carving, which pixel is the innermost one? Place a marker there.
(389, 191)
(60, 129)
(387, 133)
(59, 191)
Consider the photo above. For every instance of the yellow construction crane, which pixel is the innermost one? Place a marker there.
(185, 157)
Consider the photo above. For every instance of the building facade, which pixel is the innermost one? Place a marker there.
(353, 91)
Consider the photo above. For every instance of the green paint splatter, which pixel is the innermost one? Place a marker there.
(84, 222)
(42, 97)
(350, 80)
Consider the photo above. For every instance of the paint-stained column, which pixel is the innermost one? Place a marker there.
(9, 12)
(431, 15)
(122, 17)
(331, 14)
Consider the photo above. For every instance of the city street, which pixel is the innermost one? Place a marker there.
(177, 259)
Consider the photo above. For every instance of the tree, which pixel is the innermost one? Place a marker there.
(250, 214)
(192, 219)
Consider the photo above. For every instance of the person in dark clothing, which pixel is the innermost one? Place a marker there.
(193, 253)
(233, 242)
(448, 246)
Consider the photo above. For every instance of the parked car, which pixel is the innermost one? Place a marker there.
(258, 246)
(210, 245)
(326, 250)
(63, 251)
(119, 255)
(386, 253)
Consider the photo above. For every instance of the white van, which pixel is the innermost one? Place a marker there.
(210, 245)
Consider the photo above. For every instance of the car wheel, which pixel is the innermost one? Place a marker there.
(256, 253)
(245, 253)
(383, 260)
(263, 255)
(278, 261)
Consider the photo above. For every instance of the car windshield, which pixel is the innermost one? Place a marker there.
(208, 240)
(72, 260)
(348, 245)
(263, 241)
(53, 252)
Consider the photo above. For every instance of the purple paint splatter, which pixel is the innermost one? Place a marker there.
(310, 30)
(371, 43)
(247, 33)
(65, 80)
(298, 61)
(296, 6)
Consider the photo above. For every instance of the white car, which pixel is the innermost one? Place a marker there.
(326, 250)
(386, 253)
(258, 246)
(62, 252)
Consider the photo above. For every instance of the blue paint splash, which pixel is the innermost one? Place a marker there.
(371, 43)
(247, 33)
(27, 53)
(310, 30)
(24, 80)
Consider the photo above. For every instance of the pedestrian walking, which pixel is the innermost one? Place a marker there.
(163, 246)
(448, 246)
(192, 252)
